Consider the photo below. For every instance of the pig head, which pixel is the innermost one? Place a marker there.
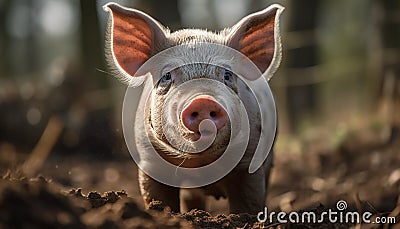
(192, 99)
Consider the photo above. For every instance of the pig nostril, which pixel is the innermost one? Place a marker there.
(200, 109)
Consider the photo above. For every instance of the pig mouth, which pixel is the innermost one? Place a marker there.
(195, 136)
(217, 138)
(183, 157)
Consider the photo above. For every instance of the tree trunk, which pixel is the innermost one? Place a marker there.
(302, 22)
(389, 22)
(4, 40)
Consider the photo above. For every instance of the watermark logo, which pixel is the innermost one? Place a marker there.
(341, 205)
(333, 216)
(136, 127)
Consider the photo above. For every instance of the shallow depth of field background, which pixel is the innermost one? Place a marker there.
(338, 87)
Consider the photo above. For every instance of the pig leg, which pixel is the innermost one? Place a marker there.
(154, 190)
(193, 199)
(247, 192)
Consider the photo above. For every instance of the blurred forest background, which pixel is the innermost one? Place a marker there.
(340, 71)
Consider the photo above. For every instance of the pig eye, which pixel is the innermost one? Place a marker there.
(166, 77)
(164, 83)
(228, 75)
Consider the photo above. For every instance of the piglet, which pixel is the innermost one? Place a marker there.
(205, 123)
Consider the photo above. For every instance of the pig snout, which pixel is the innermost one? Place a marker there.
(202, 108)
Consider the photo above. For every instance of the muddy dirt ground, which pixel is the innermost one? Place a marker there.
(83, 191)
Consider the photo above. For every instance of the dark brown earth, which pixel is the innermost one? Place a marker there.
(363, 170)
(38, 203)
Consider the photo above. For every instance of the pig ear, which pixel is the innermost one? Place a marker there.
(257, 36)
(132, 38)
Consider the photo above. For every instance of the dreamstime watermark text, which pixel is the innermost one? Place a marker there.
(333, 216)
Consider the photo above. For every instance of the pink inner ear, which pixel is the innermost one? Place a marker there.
(132, 40)
(257, 42)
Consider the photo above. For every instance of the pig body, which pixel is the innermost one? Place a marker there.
(178, 98)
(246, 192)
